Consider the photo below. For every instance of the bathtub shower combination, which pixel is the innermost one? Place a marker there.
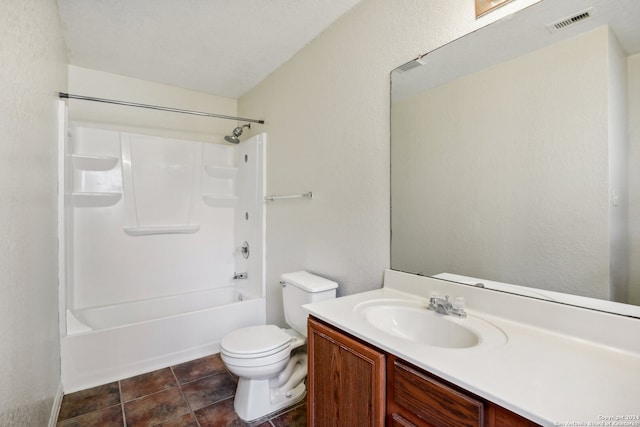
(162, 250)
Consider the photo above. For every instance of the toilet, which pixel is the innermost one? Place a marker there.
(270, 376)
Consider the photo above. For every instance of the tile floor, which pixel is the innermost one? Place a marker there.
(192, 394)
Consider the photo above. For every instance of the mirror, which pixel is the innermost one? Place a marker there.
(513, 153)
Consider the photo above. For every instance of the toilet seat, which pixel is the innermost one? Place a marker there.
(257, 362)
(255, 342)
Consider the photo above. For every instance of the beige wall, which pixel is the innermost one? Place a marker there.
(87, 82)
(633, 72)
(618, 140)
(506, 184)
(327, 115)
(33, 70)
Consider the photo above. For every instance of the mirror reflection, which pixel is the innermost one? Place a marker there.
(513, 152)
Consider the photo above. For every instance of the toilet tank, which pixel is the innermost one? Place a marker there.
(301, 288)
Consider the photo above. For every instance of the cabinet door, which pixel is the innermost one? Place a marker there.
(346, 380)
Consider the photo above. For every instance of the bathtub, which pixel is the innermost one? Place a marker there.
(105, 344)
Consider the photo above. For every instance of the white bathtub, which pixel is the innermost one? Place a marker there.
(105, 344)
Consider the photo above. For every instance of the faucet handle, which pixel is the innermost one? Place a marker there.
(459, 303)
(457, 308)
(433, 297)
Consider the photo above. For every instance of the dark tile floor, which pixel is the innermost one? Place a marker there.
(193, 394)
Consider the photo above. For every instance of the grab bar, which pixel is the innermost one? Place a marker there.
(308, 195)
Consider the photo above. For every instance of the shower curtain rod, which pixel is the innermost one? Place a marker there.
(156, 107)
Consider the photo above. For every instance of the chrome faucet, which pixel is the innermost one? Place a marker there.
(444, 306)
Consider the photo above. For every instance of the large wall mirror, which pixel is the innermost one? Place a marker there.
(515, 156)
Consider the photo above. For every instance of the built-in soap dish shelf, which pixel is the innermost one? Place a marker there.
(163, 229)
(93, 200)
(221, 171)
(219, 201)
(93, 163)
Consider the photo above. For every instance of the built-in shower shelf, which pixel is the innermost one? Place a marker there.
(220, 201)
(164, 229)
(93, 200)
(94, 163)
(221, 172)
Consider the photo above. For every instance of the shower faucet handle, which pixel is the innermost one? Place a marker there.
(240, 276)
(244, 249)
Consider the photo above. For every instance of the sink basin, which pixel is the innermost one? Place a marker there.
(412, 321)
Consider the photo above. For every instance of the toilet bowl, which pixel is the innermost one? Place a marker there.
(259, 352)
(269, 361)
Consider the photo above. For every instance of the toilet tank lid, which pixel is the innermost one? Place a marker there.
(309, 282)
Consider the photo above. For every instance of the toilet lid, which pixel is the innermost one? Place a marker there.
(255, 340)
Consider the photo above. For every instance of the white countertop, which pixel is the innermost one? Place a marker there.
(554, 372)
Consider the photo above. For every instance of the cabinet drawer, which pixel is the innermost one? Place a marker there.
(433, 401)
(500, 417)
(398, 420)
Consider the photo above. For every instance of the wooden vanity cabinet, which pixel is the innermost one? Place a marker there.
(353, 384)
(346, 380)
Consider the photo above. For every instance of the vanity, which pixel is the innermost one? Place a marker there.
(382, 356)
(375, 379)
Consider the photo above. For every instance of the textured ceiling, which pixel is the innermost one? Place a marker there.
(222, 47)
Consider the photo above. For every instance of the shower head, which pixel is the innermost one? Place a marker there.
(234, 137)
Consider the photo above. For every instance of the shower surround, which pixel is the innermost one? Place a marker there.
(150, 246)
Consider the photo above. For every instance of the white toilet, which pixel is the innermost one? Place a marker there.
(269, 377)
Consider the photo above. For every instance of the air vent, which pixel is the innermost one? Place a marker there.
(412, 64)
(571, 20)
(408, 66)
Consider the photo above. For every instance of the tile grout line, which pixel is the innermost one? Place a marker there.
(211, 374)
(124, 417)
(179, 384)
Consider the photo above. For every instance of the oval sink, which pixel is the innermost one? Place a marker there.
(412, 321)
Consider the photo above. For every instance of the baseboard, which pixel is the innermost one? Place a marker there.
(55, 408)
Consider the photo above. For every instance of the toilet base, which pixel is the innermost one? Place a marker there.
(256, 399)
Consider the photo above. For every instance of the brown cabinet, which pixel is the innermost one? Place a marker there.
(348, 386)
(346, 380)
(418, 398)
(499, 417)
(427, 400)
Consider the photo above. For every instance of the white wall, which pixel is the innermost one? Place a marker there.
(633, 73)
(33, 70)
(327, 115)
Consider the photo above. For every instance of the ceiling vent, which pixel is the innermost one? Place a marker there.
(410, 65)
(569, 21)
